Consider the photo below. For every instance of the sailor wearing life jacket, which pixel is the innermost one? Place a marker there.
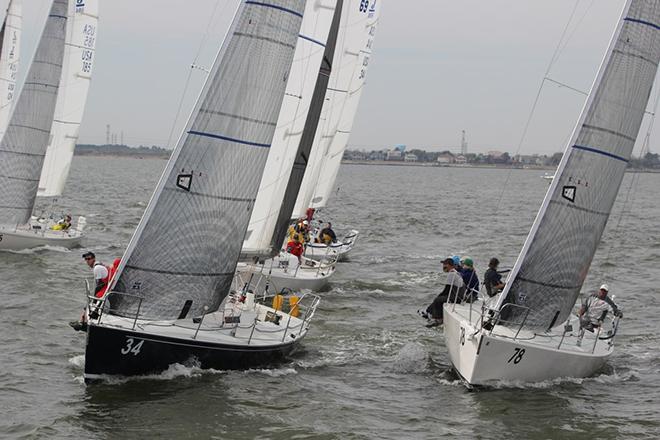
(101, 274)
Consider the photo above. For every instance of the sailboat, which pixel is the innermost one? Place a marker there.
(263, 262)
(10, 41)
(79, 58)
(530, 335)
(171, 298)
(343, 95)
(24, 144)
(318, 153)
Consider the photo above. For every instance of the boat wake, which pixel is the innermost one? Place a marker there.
(38, 250)
(411, 358)
(612, 377)
(272, 372)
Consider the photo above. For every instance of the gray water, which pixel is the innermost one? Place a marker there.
(368, 369)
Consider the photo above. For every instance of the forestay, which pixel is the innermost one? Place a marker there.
(23, 146)
(356, 34)
(10, 39)
(79, 54)
(187, 244)
(555, 259)
(291, 123)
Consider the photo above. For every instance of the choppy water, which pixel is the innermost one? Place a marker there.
(368, 369)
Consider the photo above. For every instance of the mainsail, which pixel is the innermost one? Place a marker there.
(187, 244)
(74, 85)
(10, 39)
(355, 41)
(290, 126)
(23, 145)
(555, 259)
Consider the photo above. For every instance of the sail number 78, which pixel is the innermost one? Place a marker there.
(517, 356)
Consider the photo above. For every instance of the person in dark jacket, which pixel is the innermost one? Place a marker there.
(470, 279)
(493, 279)
(328, 235)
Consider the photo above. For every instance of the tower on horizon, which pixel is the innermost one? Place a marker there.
(464, 144)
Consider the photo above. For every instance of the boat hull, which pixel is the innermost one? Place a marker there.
(116, 351)
(313, 281)
(19, 240)
(340, 250)
(484, 358)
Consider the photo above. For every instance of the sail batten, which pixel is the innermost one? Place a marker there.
(555, 259)
(187, 244)
(23, 145)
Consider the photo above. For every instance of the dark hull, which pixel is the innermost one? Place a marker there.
(112, 351)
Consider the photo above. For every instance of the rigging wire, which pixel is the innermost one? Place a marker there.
(194, 66)
(555, 56)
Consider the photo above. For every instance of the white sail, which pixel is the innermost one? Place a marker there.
(10, 38)
(290, 125)
(549, 273)
(186, 247)
(329, 165)
(356, 34)
(23, 145)
(79, 58)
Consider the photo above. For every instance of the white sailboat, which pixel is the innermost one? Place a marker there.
(171, 299)
(298, 120)
(353, 53)
(10, 41)
(531, 336)
(23, 145)
(79, 59)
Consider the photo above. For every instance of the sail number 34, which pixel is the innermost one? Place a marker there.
(132, 347)
(517, 356)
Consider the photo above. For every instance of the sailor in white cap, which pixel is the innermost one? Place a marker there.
(595, 308)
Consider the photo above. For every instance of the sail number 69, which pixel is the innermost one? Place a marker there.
(517, 356)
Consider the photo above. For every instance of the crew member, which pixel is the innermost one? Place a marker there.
(328, 235)
(451, 290)
(493, 279)
(595, 308)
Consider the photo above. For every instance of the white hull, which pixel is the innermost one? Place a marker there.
(339, 250)
(284, 272)
(20, 239)
(482, 357)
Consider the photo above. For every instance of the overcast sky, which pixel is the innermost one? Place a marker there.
(438, 67)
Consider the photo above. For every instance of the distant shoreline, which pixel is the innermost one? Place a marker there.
(472, 165)
(135, 155)
(444, 165)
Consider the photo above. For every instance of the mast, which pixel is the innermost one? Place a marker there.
(23, 145)
(553, 263)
